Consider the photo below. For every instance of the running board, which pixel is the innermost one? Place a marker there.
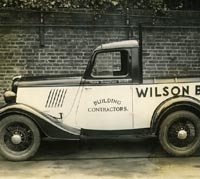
(116, 134)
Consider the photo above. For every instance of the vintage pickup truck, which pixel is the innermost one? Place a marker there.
(111, 100)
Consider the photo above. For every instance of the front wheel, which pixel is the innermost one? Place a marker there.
(179, 133)
(19, 138)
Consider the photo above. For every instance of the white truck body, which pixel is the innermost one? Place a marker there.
(108, 107)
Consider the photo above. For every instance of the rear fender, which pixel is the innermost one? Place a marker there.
(173, 104)
(50, 126)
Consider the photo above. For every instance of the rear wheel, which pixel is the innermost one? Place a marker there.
(19, 138)
(180, 133)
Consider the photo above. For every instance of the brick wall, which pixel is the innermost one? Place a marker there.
(167, 51)
(171, 52)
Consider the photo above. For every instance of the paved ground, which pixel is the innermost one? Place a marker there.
(102, 159)
(137, 159)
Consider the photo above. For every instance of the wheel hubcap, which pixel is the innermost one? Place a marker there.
(16, 139)
(182, 134)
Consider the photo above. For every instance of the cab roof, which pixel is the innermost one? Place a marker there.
(117, 45)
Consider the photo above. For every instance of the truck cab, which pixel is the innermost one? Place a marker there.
(110, 100)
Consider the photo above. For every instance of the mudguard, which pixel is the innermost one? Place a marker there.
(172, 104)
(50, 126)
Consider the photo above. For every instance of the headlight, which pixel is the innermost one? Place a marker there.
(9, 97)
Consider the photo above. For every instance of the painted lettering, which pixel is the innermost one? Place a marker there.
(197, 90)
(142, 92)
(185, 90)
(175, 91)
(165, 91)
(108, 109)
(151, 92)
(156, 92)
(108, 100)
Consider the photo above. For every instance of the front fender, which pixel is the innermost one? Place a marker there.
(173, 104)
(48, 125)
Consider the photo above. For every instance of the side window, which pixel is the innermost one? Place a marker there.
(111, 64)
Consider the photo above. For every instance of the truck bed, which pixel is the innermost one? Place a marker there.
(171, 80)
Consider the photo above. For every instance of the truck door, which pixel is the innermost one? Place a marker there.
(106, 100)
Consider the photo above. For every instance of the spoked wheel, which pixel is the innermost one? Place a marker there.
(19, 138)
(180, 133)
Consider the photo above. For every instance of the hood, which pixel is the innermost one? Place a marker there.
(42, 81)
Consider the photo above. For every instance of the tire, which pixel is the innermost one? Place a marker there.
(19, 138)
(179, 133)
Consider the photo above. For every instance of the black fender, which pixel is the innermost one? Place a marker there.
(49, 126)
(170, 105)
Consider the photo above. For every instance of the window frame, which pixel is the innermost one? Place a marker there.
(89, 75)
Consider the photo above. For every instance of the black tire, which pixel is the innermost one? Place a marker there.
(179, 133)
(19, 138)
